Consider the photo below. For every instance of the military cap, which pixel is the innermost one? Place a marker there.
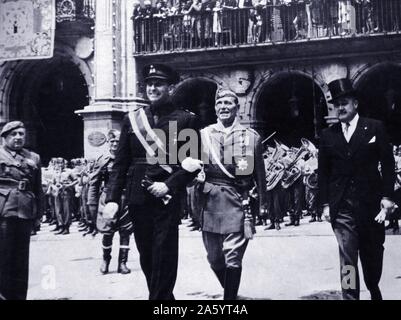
(10, 126)
(113, 134)
(226, 93)
(160, 71)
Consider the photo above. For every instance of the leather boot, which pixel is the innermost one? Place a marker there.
(375, 294)
(57, 228)
(66, 230)
(122, 260)
(89, 231)
(220, 274)
(291, 223)
(60, 231)
(231, 283)
(104, 268)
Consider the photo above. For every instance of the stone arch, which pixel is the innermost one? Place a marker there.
(367, 69)
(269, 76)
(291, 103)
(197, 95)
(379, 91)
(21, 95)
(14, 72)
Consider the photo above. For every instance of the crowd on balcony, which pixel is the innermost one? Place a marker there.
(180, 24)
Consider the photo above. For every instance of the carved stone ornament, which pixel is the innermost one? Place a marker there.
(84, 47)
(97, 139)
(241, 81)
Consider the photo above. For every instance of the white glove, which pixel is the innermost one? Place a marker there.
(381, 217)
(158, 189)
(326, 213)
(191, 165)
(110, 210)
(201, 177)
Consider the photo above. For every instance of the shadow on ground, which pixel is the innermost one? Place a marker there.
(323, 295)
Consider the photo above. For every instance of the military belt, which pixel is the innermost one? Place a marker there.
(240, 183)
(22, 185)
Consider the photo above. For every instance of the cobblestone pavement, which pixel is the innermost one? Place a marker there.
(293, 263)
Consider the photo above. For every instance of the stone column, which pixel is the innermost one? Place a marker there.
(115, 76)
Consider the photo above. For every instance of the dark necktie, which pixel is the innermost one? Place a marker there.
(155, 119)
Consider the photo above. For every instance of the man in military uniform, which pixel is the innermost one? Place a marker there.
(233, 163)
(153, 185)
(122, 222)
(21, 204)
(63, 192)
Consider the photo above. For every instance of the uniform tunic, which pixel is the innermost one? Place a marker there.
(21, 203)
(240, 152)
(155, 224)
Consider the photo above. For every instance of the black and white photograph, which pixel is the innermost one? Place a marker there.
(218, 151)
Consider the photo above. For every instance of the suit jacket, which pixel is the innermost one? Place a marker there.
(24, 204)
(355, 166)
(130, 166)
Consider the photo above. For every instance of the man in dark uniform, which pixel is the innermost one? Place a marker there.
(355, 196)
(153, 185)
(108, 227)
(21, 204)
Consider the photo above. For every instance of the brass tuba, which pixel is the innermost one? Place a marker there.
(275, 168)
(293, 170)
(310, 172)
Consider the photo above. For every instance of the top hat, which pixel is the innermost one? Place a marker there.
(160, 71)
(10, 126)
(341, 88)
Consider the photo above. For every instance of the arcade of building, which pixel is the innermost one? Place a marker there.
(70, 101)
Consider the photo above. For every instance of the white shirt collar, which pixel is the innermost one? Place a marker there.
(352, 123)
(351, 129)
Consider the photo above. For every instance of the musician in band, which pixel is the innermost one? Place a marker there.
(293, 187)
(355, 196)
(275, 193)
(233, 167)
(153, 188)
(311, 188)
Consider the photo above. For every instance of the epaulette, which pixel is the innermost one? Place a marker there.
(253, 131)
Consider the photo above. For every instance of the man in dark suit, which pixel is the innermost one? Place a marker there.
(21, 204)
(355, 194)
(154, 180)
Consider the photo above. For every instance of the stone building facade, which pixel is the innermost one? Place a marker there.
(69, 102)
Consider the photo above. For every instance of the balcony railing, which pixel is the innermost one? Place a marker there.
(73, 10)
(297, 21)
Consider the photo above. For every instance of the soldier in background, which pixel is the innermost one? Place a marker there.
(121, 222)
(63, 193)
(21, 204)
